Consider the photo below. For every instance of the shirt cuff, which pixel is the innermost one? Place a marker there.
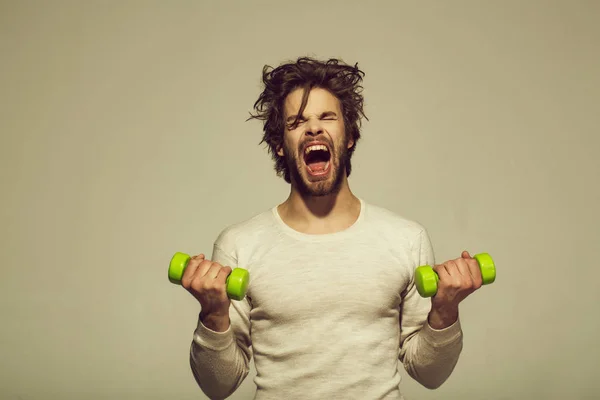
(442, 337)
(213, 340)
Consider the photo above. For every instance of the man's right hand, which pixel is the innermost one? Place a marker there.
(206, 281)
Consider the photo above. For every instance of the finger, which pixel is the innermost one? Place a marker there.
(467, 279)
(463, 267)
(214, 270)
(455, 276)
(215, 279)
(469, 269)
(203, 268)
(442, 273)
(475, 272)
(196, 281)
(465, 254)
(190, 270)
(223, 274)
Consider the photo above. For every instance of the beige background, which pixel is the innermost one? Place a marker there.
(123, 139)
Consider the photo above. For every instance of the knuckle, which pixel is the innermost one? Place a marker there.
(218, 268)
(197, 285)
(205, 285)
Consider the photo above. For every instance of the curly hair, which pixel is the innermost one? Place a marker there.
(340, 79)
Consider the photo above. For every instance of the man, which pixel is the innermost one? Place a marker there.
(332, 308)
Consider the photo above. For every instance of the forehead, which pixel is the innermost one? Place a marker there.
(319, 101)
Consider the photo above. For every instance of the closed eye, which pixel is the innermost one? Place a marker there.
(325, 116)
(290, 123)
(329, 116)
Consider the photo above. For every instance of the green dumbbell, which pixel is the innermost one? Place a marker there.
(426, 278)
(236, 283)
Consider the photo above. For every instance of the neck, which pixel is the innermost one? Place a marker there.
(320, 214)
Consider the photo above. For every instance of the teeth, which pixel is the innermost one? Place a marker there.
(315, 147)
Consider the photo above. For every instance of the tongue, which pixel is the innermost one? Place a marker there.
(317, 166)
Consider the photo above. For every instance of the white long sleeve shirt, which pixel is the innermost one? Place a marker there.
(326, 316)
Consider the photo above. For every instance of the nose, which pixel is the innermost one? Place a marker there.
(313, 127)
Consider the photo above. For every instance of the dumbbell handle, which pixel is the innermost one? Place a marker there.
(236, 282)
(426, 278)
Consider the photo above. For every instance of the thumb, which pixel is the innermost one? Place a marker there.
(465, 254)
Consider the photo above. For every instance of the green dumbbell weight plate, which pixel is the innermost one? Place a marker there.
(177, 267)
(487, 266)
(426, 281)
(237, 283)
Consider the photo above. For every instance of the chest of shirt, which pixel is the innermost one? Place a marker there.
(296, 279)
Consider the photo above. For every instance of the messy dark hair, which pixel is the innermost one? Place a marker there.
(340, 79)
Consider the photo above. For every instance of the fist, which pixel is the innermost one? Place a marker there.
(457, 279)
(206, 281)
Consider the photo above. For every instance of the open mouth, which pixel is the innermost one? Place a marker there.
(316, 158)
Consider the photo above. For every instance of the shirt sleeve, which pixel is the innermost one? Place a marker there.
(428, 355)
(220, 360)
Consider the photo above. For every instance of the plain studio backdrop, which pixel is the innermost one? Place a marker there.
(124, 139)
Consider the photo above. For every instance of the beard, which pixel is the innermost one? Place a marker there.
(331, 184)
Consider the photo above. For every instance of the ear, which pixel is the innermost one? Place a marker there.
(280, 151)
(350, 143)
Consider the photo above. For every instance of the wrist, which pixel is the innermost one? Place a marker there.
(442, 317)
(215, 322)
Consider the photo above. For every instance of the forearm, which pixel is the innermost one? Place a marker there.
(218, 363)
(432, 353)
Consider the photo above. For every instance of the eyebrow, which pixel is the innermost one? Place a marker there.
(324, 114)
